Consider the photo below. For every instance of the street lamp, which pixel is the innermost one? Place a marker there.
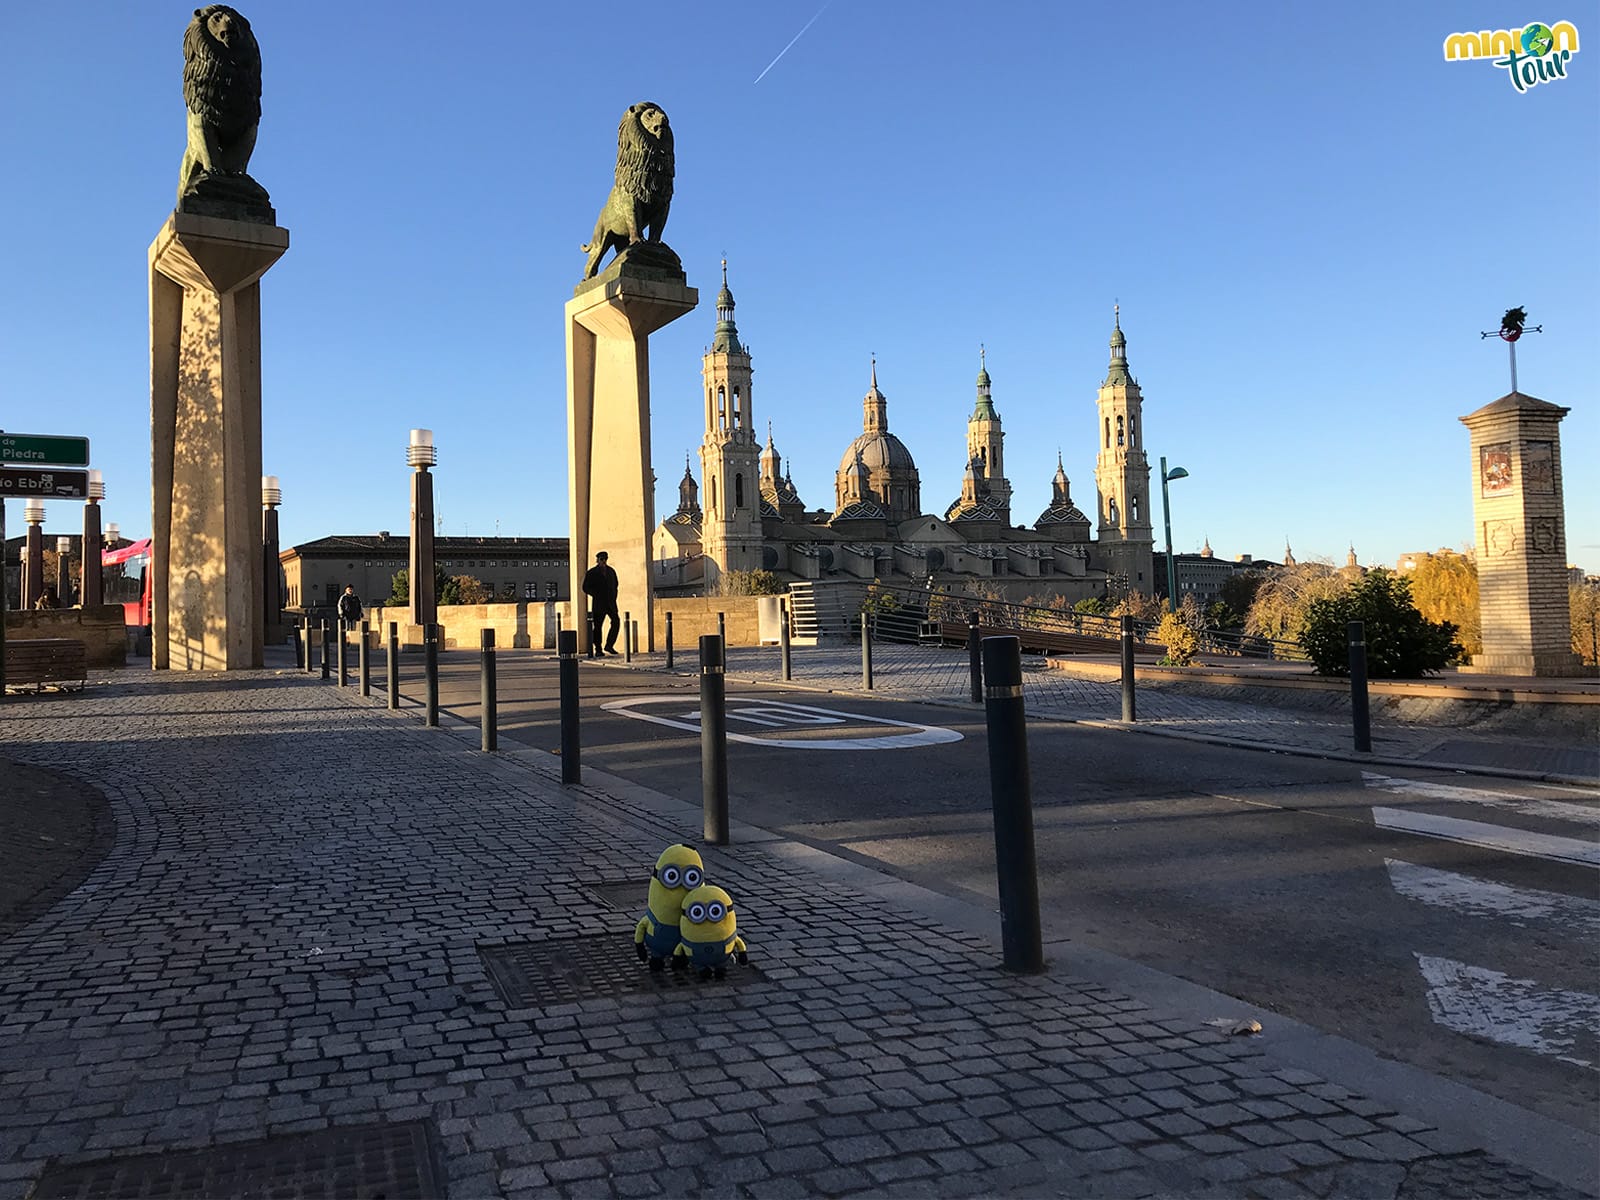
(33, 551)
(422, 454)
(63, 572)
(271, 592)
(1166, 521)
(89, 587)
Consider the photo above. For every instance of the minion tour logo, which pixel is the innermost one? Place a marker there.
(1533, 55)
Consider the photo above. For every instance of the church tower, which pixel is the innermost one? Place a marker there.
(1122, 476)
(729, 454)
(984, 445)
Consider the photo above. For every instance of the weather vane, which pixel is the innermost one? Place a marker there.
(1512, 326)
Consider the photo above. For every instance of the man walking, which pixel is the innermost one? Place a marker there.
(349, 607)
(600, 585)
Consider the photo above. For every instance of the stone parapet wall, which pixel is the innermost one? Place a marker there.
(100, 629)
(695, 616)
(521, 626)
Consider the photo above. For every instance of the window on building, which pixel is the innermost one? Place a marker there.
(1136, 508)
(551, 589)
(738, 487)
(1108, 432)
(530, 591)
(1119, 431)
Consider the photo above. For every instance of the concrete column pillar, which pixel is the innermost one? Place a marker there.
(205, 433)
(92, 593)
(611, 487)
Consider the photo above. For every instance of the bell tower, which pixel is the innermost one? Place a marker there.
(985, 445)
(729, 454)
(1122, 474)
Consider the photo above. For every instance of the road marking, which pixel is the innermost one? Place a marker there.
(1491, 837)
(1515, 1012)
(778, 715)
(1556, 810)
(1482, 898)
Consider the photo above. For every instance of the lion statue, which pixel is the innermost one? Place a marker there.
(642, 193)
(222, 90)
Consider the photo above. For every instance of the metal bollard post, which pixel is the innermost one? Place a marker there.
(363, 659)
(1011, 791)
(571, 764)
(311, 663)
(327, 650)
(490, 719)
(722, 632)
(1127, 668)
(713, 740)
(1359, 714)
(783, 642)
(669, 641)
(636, 649)
(627, 637)
(392, 664)
(430, 674)
(344, 659)
(866, 652)
(975, 657)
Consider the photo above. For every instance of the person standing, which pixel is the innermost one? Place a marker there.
(600, 585)
(349, 607)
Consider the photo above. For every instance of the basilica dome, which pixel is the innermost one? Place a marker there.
(876, 465)
(878, 451)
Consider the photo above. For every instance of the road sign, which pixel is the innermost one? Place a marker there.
(44, 484)
(38, 450)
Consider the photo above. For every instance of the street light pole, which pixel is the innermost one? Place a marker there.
(1166, 521)
(422, 454)
(90, 589)
(271, 591)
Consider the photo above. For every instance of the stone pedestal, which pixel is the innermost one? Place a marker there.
(207, 609)
(610, 486)
(1521, 539)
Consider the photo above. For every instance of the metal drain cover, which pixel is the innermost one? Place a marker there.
(562, 970)
(372, 1162)
(627, 896)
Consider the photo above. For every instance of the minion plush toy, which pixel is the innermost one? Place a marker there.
(708, 933)
(677, 872)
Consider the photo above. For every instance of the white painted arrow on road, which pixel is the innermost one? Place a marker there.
(1514, 1012)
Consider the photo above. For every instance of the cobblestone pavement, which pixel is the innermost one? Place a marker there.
(1314, 722)
(286, 936)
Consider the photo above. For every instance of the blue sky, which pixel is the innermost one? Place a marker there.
(1306, 214)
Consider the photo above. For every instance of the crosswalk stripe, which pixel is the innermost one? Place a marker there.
(1465, 894)
(1491, 837)
(1557, 810)
(1515, 1012)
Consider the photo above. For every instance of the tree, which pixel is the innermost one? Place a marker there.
(1179, 637)
(470, 590)
(1583, 601)
(1282, 598)
(1444, 586)
(1401, 642)
(1138, 606)
(1092, 605)
(1234, 598)
(751, 583)
(445, 589)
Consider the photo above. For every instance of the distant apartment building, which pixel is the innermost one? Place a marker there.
(512, 569)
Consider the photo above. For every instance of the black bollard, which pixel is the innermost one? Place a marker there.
(430, 674)
(866, 652)
(636, 649)
(1011, 791)
(344, 659)
(310, 663)
(627, 637)
(327, 650)
(669, 641)
(1359, 716)
(713, 740)
(975, 657)
(722, 632)
(1127, 668)
(783, 642)
(363, 659)
(490, 718)
(392, 664)
(571, 765)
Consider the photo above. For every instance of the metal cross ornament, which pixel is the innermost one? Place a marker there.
(1512, 326)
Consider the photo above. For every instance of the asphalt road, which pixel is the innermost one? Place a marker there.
(1303, 886)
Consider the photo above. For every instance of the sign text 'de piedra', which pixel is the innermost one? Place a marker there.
(38, 450)
(44, 483)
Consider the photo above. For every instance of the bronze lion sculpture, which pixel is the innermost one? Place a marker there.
(642, 193)
(222, 90)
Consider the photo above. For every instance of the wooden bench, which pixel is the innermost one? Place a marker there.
(39, 661)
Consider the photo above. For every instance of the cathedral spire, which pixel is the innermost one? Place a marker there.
(726, 338)
(688, 491)
(983, 410)
(875, 406)
(1118, 372)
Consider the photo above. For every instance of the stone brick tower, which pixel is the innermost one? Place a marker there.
(1122, 475)
(1521, 538)
(985, 445)
(729, 453)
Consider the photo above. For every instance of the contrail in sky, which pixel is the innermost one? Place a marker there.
(792, 41)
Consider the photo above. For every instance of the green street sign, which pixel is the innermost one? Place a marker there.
(43, 450)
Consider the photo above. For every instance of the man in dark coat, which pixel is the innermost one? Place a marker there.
(349, 607)
(600, 585)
